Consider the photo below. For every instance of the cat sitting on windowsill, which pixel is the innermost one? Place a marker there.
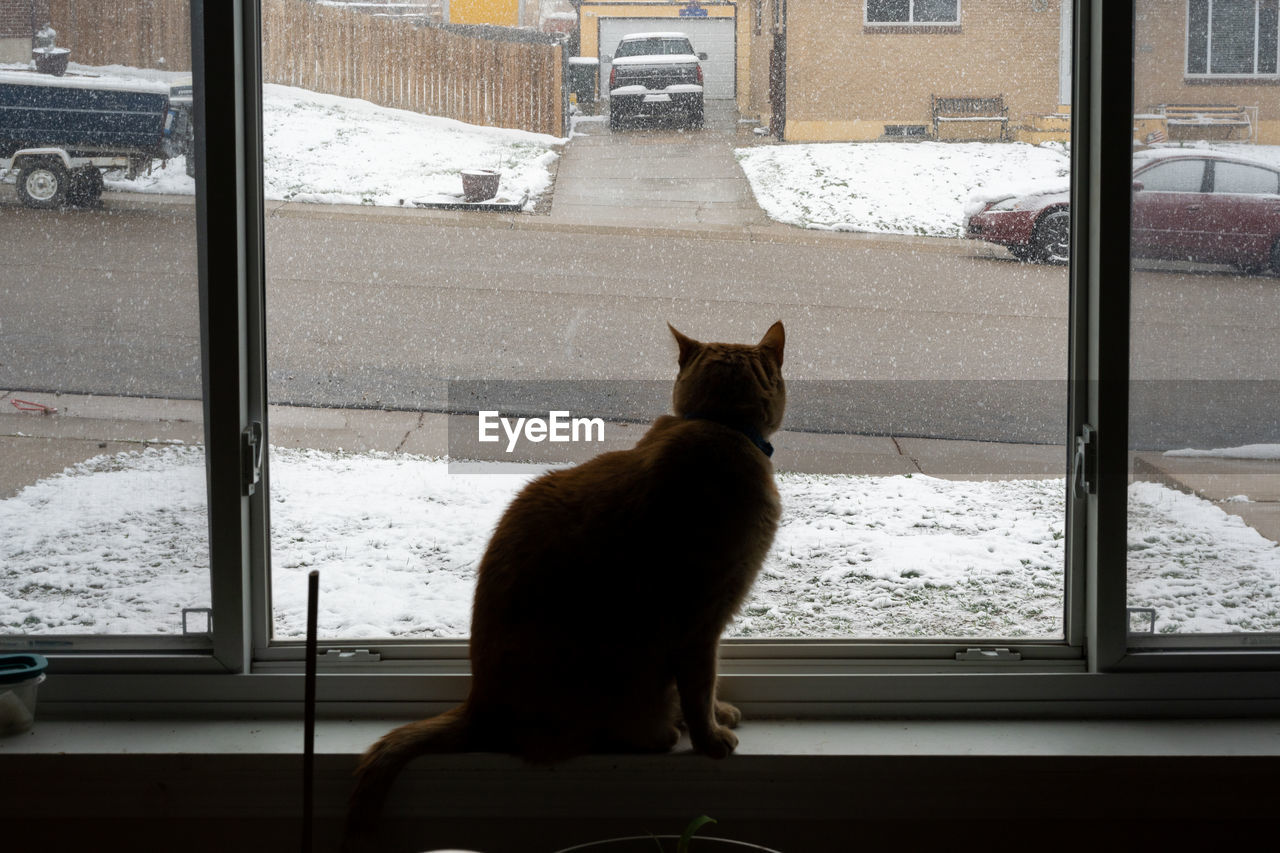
(602, 595)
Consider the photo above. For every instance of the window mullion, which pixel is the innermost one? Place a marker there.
(1105, 216)
(225, 204)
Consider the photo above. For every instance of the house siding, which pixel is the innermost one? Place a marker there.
(847, 80)
(1160, 65)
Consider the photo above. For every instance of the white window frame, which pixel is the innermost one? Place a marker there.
(1208, 73)
(1099, 669)
(911, 15)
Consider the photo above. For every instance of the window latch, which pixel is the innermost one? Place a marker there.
(988, 655)
(251, 458)
(1084, 468)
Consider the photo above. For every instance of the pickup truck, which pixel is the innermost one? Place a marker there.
(654, 74)
(58, 134)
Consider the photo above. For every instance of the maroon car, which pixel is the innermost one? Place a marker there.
(1187, 205)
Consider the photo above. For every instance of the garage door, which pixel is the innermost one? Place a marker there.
(712, 36)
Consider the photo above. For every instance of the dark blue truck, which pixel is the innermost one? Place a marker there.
(59, 134)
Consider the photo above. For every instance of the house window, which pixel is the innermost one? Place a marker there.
(913, 11)
(1232, 37)
(1100, 629)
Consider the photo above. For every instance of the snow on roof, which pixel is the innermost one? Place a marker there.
(1157, 153)
(668, 35)
(655, 59)
(32, 78)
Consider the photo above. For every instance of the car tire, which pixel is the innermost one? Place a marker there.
(1051, 239)
(85, 187)
(44, 184)
(1023, 254)
(696, 119)
(1275, 256)
(615, 119)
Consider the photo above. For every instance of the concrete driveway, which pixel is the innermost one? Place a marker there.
(657, 176)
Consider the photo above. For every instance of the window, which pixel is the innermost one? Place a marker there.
(1239, 178)
(102, 366)
(1123, 392)
(1178, 176)
(1232, 37)
(913, 11)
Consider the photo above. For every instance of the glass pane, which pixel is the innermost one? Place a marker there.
(1231, 177)
(103, 522)
(1204, 563)
(933, 11)
(1184, 175)
(923, 288)
(1198, 37)
(881, 11)
(1232, 42)
(1268, 34)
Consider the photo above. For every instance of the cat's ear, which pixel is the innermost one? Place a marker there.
(773, 341)
(688, 346)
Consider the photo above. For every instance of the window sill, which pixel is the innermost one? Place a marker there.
(914, 29)
(797, 785)
(1223, 80)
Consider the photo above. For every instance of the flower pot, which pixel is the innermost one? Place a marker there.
(479, 184)
(51, 60)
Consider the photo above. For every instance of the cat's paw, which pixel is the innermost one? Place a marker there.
(727, 715)
(718, 743)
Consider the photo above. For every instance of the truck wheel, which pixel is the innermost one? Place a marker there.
(696, 116)
(43, 184)
(85, 187)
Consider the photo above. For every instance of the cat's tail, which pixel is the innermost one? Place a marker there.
(382, 762)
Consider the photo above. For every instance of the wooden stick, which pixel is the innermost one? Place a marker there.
(309, 720)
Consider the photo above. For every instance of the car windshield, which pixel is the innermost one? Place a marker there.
(654, 46)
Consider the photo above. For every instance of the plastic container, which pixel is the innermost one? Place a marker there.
(584, 72)
(51, 60)
(479, 184)
(20, 675)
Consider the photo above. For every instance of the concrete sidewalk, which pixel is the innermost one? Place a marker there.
(34, 446)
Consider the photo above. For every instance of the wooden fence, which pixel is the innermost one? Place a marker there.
(492, 76)
(140, 33)
(481, 75)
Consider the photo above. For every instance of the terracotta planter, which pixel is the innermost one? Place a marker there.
(479, 184)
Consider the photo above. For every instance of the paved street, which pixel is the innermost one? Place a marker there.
(380, 307)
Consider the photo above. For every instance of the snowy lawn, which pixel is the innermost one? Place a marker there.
(924, 188)
(328, 149)
(116, 545)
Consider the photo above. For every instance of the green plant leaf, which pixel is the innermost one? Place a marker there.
(682, 846)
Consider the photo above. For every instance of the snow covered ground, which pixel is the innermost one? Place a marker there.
(923, 188)
(117, 545)
(328, 149)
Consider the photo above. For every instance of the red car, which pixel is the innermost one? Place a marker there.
(1187, 205)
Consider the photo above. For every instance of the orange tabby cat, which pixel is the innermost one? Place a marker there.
(602, 596)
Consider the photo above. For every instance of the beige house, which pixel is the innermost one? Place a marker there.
(827, 70)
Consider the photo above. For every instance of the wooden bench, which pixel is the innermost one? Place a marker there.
(969, 117)
(1207, 121)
